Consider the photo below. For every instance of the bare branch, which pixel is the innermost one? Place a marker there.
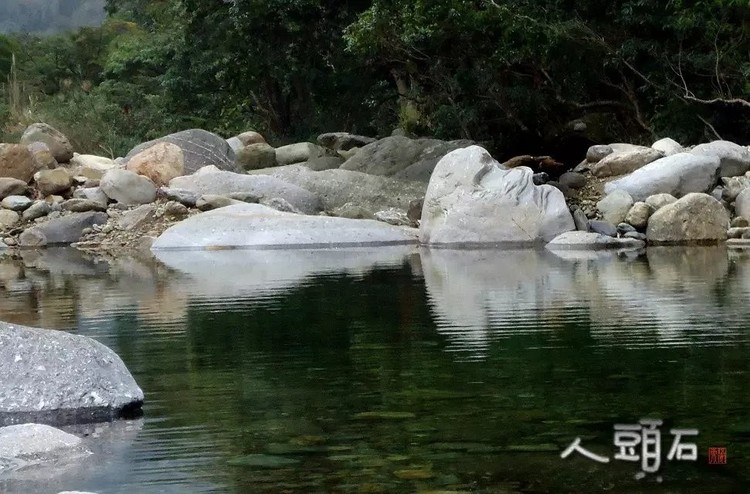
(730, 101)
(710, 127)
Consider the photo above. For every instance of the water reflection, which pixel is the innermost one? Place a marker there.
(394, 370)
(670, 296)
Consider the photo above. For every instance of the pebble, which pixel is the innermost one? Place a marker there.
(635, 235)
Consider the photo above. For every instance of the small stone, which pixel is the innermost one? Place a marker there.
(12, 187)
(87, 231)
(175, 209)
(739, 222)
(573, 180)
(414, 474)
(561, 187)
(624, 228)
(208, 202)
(248, 197)
(603, 227)
(183, 196)
(635, 235)
(16, 203)
(10, 241)
(415, 209)
(615, 206)
(256, 156)
(92, 194)
(582, 167)
(280, 204)
(82, 205)
(638, 215)
(384, 415)
(53, 181)
(352, 211)
(127, 187)
(393, 216)
(261, 461)
(32, 237)
(732, 187)
(143, 245)
(8, 218)
(540, 178)
(737, 232)
(107, 228)
(136, 218)
(597, 153)
(581, 221)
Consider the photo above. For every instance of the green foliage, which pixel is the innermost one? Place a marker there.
(512, 74)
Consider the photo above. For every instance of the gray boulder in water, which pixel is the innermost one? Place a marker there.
(57, 378)
(199, 147)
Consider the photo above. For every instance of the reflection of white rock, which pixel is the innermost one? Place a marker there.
(233, 274)
(668, 297)
(112, 445)
(480, 294)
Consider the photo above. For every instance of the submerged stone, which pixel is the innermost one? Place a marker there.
(261, 461)
(384, 415)
(414, 474)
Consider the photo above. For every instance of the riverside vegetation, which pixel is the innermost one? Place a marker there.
(517, 76)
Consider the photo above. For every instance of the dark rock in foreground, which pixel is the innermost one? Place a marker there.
(56, 378)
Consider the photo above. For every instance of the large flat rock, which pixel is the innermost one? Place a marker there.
(258, 226)
(53, 377)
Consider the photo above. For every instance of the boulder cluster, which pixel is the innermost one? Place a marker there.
(668, 194)
(383, 191)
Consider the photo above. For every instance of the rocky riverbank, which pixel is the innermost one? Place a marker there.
(386, 191)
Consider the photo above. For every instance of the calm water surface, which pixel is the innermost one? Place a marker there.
(400, 371)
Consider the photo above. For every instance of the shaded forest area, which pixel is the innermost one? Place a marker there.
(519, 76)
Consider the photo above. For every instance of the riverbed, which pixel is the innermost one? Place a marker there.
(399, 370)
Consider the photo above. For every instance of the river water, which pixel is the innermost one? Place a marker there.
(398, 370)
